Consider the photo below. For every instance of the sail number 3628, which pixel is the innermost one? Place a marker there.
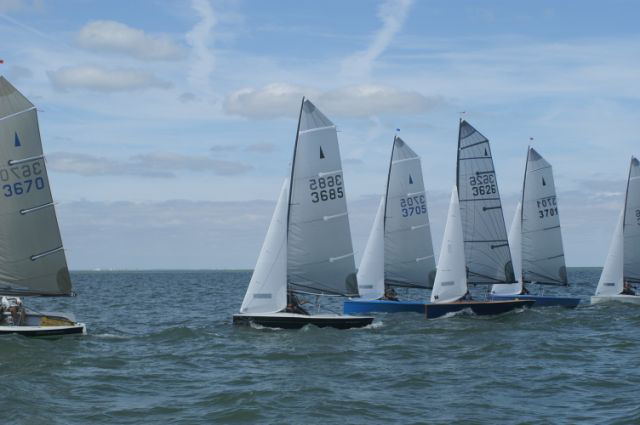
(483, 184)
(413, 205)
(326, 188)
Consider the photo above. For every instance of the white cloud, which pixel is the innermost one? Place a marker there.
(202, 61)
(392, 13)
(158, 164)
(276, 100)
(116, 37)
(97, 78)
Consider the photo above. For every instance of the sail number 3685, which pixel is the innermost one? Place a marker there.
(484, 184)
(326, 188)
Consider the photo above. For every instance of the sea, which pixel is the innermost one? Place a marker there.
(161, 349)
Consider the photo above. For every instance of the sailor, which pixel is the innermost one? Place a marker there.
(4, 307)
(390, 294)
(293, 305)
(17, 312)
(466, 296)
(627, 289)
(524, 291)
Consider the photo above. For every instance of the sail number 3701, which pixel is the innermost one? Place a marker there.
(326, 188)
(547, 207)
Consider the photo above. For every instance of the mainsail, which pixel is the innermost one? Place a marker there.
(485, 235)
(320, 253)
(408, 249)
(542, 252)
(632, 224)
(32, 259)
(267, 291)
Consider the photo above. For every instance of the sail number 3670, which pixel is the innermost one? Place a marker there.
(28, 179)
(326, 188)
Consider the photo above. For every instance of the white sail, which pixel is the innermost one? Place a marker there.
(451, 278)
(320, 258)
(515, 245)
(408, 249)
(632, 225)
(267, 291)
(485, 234)
(611, 280)
(542, 251)
(32, 259)
(371, 271)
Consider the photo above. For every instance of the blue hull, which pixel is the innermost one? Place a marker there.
(542, 300)
(431, 310)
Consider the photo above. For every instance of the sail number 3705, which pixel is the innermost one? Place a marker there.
(326, 188)
(413, 205)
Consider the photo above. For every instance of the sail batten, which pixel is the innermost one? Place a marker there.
(484, 232)
(32, 259)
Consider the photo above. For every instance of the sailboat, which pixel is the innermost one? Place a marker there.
(622, 267)
(474, 247)
(308, 247)
(399, 251)
(32, 258)
(535, 239)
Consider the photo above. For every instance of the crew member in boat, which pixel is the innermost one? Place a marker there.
(466, 296)
(524, 291)
(627, 289)
(390, 294)
(4, 307)
(294, 305)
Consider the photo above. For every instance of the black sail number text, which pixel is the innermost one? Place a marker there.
(326, 188)
(483, 184)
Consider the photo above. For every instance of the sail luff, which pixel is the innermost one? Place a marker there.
(371, 271)
(611, 279)
(631, 225)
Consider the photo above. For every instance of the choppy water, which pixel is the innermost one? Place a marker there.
(161, 349)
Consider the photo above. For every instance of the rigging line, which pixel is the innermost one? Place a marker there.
(17, 113)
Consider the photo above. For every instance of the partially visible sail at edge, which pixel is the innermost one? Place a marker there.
(632, 224)
(485, 235)
(408, 256)
(320, 253)
(32, 259)
(542, 251)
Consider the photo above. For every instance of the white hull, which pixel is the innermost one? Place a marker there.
(628, 299)
(44, 325)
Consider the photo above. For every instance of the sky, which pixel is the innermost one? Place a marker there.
(168, 126)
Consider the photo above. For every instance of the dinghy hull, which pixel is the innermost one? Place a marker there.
(434, 310)
(628, 299)
(297, 321)
(541, 300)
(45, 331)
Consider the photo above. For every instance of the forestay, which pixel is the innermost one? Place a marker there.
(32, 259)
(485, 235)
(632, 224)
(371, 270)
(451, 281)
(320, 258)
(542, 251)
(267, 291)
(408, 248)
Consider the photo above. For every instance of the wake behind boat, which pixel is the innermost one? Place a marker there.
(622, 268)
(535, 239)
(32, 259)
(308, 248)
